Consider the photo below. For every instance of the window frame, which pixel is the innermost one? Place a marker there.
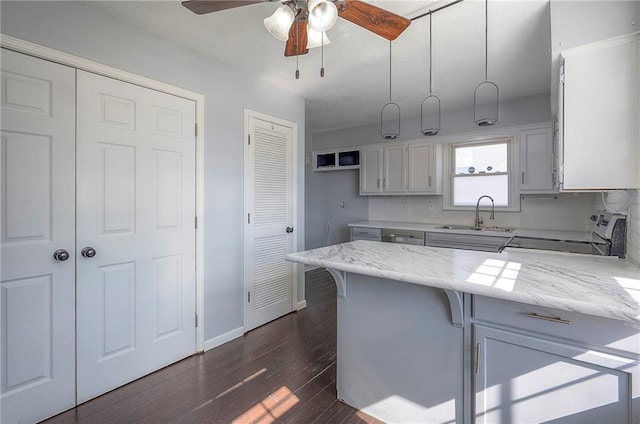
(512, 167)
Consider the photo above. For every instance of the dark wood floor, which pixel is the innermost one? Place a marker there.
(282, 372)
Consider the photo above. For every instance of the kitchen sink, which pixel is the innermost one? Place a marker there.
(469, 227)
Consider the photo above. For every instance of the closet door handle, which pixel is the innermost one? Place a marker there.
(88, 252)
(61, 255)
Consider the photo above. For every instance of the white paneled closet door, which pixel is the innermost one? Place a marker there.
(37, 291)
(135, 232)
(269, 237)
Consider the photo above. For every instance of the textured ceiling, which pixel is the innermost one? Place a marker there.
(356, 82)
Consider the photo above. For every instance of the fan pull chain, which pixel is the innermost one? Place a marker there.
(297, 69)
(297, 50)
(322, 56)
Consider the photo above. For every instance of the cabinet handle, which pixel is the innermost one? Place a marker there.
(378, 182)
(552, 319)
(429, 180)
(477, 357)
(384, 183)
(523, 177)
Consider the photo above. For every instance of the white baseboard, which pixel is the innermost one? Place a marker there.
(301, 305)
(223, 338)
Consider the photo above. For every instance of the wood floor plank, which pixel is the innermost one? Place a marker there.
(284, 372)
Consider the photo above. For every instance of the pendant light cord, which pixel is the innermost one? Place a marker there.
(389, 71)
(430, 55)
(486, 40)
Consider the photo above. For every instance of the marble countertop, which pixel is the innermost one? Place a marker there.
(594, 285)
(575, 236)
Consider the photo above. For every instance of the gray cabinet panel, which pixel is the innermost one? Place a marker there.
(523, 379)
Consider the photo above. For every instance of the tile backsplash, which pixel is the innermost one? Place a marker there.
(567, 211)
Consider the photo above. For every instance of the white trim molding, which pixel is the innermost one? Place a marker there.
(36, 50)
(223, 338)
(301, 305)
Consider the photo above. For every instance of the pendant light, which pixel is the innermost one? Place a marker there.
(486, 96)
(430, 108)
(392, 111)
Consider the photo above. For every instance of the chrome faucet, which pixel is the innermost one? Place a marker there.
(478, 217)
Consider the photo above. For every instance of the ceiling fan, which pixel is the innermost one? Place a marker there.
(297, 21)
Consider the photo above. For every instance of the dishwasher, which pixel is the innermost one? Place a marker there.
(403, 236)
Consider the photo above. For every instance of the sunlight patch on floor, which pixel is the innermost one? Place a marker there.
(270, 408)
(238, 385)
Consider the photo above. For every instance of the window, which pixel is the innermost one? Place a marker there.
(479, 169)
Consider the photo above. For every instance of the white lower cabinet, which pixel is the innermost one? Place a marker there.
(364, 233)
(552, 366)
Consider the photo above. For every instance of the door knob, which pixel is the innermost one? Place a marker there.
(61, 255)
(88, 252)
(289, 230)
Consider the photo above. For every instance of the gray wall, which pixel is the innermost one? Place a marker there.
(77, 29)
(343, 186)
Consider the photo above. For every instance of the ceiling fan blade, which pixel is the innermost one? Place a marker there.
(297, 42)
(377, 20)
(207, 6)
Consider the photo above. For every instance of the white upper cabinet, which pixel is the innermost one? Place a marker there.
(536, 161)
(420, 167)
(394, 169)
(371, 170)
(599, 116)
(408, 168)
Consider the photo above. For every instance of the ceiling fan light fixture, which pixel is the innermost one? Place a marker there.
(322, 14)
(316, 38)
(280, 22)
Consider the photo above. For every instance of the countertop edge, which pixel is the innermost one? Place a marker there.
(627, 317)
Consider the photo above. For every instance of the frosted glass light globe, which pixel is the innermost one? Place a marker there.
(280, 22)
(322, 14)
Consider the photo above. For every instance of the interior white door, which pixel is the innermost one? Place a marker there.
(135, 215)
(37, 292)
(270, 215)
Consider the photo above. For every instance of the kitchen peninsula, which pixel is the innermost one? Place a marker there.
(445, 335)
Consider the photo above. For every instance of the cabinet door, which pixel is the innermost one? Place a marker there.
(600, 140)
(524, 379)
(371, 171)
(420, 168)
(536, 160)
(394, 169)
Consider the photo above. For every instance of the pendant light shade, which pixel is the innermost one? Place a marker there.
(390, 113)
(430, 116)
(322, 14)
(279, 23)
(486, 96)
(430, 108)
